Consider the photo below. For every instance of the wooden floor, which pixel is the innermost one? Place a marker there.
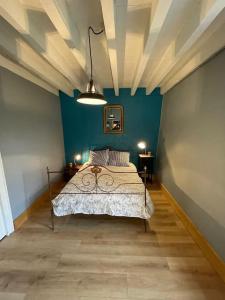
(91, 257)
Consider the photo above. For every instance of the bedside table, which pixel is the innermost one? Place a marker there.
(146, 160)
(69, 172)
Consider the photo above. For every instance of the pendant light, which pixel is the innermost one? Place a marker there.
(91, 96)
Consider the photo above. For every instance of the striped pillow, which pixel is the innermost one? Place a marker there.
(118, 158)
(99, 157)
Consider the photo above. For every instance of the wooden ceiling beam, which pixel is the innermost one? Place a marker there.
(202, 32)
(121, 9)
(61, 18)
(22, 72)
(42, 39)
(215, 43)
(159, 14)
(108, 12)
(13, 46)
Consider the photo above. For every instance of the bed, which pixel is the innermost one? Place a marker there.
(104, 190)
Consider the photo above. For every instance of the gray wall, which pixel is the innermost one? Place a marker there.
(31, 138)
(191, 150)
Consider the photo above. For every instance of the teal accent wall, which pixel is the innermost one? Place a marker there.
(83, 124)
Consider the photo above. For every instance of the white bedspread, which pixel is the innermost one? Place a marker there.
(113, 204)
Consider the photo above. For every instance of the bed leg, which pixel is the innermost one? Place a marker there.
(52, 220)
(145, 225)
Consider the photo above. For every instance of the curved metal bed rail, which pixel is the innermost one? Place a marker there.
(93, 184)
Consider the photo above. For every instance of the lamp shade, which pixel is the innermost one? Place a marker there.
(77, 157)
(91, 96)
(142, 145)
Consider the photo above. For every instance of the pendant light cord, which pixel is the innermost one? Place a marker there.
(89, 39)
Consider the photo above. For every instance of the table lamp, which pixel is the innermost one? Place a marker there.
(142, 145)
(77, 157)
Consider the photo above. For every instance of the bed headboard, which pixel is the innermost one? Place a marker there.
(99, 148)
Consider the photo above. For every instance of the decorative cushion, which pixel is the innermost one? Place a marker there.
(118, 158)
(99, 157)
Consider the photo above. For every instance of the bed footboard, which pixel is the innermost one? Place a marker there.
(91, 184)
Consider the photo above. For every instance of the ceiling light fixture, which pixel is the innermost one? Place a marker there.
(91, 96)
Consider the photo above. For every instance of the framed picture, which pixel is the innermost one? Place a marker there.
(113, 119)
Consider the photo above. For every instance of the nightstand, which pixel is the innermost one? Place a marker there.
(69, 172)
(146, 160)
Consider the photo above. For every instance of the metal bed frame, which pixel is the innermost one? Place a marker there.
(91, 185)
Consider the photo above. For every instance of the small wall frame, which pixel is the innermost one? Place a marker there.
(113, 119)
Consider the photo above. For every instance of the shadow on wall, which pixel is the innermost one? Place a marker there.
(204, 222)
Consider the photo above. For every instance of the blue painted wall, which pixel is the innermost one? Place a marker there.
(83, 124)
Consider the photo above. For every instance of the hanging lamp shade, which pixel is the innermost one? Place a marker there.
(91, 96)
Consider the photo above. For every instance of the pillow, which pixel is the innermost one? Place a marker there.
(118, 158)
(99, 157)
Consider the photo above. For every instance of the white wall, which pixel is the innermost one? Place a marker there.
(31, 138)
(192, 148)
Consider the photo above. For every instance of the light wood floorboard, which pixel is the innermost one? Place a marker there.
(100, 257)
